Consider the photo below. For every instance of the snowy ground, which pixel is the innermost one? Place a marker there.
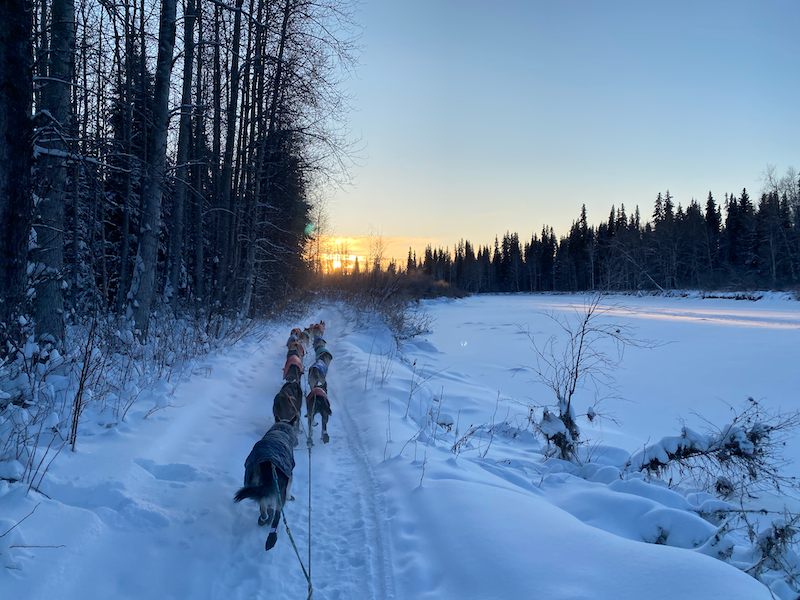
(143, 509)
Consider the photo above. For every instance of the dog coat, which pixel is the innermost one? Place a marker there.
(320, 351)
(292, 338)
(288, 401)
(321, 367)
(321, 400)
(276, 447)
(292, 360)
(299, 346)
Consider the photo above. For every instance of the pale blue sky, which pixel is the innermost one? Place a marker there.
(483, 117)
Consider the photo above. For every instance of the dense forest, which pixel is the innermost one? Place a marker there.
(735, 244)
(163, 156)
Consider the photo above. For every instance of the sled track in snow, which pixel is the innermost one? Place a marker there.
(369, 497)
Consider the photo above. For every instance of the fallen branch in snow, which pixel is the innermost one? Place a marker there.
(460, 443)
(740, 458)
(159, 407)
(772, 557)
(18, 523)
(737, 460)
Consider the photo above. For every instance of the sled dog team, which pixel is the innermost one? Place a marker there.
(268, 468)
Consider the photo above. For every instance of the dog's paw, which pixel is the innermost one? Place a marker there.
(271, 539)
(291, 499)
(325, 438)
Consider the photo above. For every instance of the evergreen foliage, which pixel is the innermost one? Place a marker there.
(753, 247)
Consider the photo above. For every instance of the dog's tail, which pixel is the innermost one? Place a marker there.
(255, 492)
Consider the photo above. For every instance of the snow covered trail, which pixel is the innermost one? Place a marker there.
(145, 510)
(408, 499)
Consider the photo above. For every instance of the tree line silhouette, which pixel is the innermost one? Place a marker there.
(753, 246)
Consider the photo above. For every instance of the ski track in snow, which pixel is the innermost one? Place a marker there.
(381, 579)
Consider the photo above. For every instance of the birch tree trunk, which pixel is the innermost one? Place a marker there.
(16, 87)
(143, 283)
(197, 178)
(182, 172)
(127, 140)
(216, 153)
(226, 223)
(56, 100)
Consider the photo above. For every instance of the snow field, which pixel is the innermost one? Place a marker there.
(145, 509)
(506, 525)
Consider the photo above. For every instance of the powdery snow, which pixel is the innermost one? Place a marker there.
(416, 495)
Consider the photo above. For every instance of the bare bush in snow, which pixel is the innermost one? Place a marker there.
(47, 399)
(580, 357)
(738, 461)
(741, 458)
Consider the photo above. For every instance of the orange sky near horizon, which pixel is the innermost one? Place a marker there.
(394, 247)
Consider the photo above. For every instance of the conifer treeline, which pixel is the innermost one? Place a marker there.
(753, 246)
